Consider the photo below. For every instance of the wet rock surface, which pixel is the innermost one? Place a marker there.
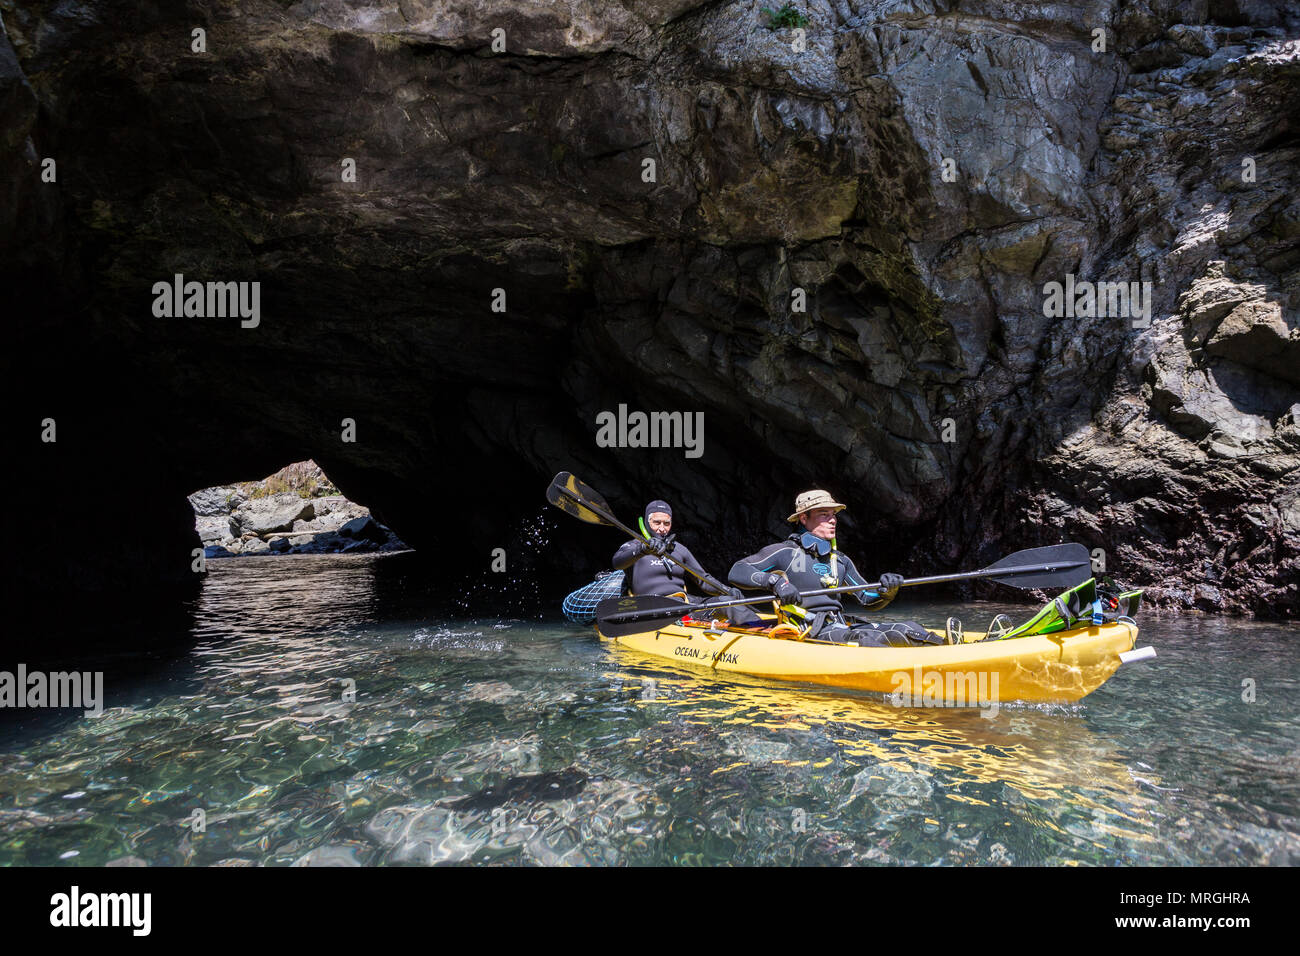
(924, 384)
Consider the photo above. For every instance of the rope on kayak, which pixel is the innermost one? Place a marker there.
(580, 606)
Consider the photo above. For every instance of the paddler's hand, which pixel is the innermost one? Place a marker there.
(657, 546)
(733, 594)
(889, 584)
(785, 592)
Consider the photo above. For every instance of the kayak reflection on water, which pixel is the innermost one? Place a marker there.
(1038, 751)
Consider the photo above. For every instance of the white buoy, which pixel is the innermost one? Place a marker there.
(1137, 654)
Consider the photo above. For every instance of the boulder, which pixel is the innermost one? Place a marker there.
(335, 519)
(328, 504)
(364, 527)
(255, 546)
(214, 529)
(273, 513)
(211, 502)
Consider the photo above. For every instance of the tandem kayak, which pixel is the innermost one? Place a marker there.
(1062, 666)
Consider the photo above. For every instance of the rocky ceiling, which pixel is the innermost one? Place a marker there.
(627, 204)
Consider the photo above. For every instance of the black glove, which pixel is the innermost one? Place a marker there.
(786, 592)
(657, 546)
(890, 583)
(884, 592)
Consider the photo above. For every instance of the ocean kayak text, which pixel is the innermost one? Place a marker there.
(697, 652)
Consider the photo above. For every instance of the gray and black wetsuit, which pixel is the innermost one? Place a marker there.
(807, 561)
(655, 575)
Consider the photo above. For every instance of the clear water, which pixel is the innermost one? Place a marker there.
(523, 742)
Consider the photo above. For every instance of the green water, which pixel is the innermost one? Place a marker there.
(522, 742)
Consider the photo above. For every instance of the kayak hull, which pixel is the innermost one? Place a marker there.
(1064, 666)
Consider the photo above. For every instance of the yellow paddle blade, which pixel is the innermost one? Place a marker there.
(573, 497)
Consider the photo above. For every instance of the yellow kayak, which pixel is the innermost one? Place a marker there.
(1063, 666)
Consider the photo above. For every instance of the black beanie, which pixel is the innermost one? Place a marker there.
(657, 506)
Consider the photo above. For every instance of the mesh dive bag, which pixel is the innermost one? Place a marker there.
(580, 606)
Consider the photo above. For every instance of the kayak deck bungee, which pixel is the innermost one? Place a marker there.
(1061, 667)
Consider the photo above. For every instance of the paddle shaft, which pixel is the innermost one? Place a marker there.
(992, 573)
(907, 582)
(703, 578)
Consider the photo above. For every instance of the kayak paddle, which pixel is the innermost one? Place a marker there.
(1054, 566)
(617, 617)
(583, 502)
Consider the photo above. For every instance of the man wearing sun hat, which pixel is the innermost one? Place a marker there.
(809, 561)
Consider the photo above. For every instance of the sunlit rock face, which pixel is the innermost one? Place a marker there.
(912, 175)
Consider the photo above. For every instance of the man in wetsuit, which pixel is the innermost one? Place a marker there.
(657, 563)
(807, 561)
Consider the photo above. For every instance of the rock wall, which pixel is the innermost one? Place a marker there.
(923, 383)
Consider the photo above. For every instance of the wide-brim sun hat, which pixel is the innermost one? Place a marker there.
(810, 500)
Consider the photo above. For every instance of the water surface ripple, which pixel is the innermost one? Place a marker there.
(507, 741)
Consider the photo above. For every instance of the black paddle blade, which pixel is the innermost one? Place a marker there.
(1068, 565)
(572, 497)
(618, 616)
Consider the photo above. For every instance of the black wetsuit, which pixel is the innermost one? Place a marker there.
(806, 560)
(655, 575)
